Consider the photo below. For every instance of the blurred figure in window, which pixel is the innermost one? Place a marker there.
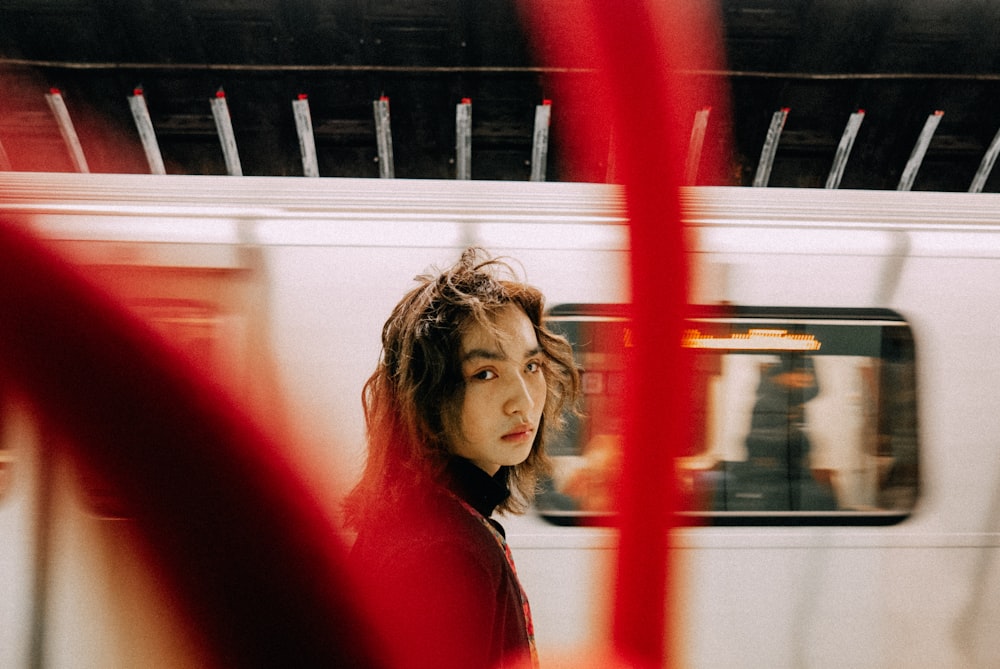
(777, 474)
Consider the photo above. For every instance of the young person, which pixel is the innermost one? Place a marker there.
(469, 382)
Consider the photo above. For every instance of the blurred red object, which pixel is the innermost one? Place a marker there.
(250, 554)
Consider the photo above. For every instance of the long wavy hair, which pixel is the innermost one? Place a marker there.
(413, 400)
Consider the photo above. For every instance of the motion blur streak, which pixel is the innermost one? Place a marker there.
(645, 52)
(230, 528)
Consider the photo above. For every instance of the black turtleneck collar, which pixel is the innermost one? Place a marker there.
(474, 486)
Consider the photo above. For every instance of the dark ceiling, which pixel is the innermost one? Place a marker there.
(898, 60)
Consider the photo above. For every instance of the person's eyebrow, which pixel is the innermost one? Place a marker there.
(494, 354)
(483, 353)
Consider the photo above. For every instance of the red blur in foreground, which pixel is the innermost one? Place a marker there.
(230, 527)
(645, 53)
(249, 553)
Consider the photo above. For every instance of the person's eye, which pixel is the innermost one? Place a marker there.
(534, 366)
(484, 375)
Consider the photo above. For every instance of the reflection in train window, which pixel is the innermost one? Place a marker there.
(801, 416)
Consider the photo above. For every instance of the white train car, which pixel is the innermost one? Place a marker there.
(885, 300)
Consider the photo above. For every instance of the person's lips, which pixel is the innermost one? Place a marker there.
(520, 433)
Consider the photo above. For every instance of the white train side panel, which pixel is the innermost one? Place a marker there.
(301, 274)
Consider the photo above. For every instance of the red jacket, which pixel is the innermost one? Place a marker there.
(438, 581)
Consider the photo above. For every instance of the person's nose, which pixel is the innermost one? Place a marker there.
(519, 398)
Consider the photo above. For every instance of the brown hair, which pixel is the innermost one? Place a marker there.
(413, 399)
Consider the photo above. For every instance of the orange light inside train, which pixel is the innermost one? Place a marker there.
(754, 339)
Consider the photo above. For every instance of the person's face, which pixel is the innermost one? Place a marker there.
(504, 392)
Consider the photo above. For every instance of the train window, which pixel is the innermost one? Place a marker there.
(801, 416)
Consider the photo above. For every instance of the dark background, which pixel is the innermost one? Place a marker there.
(898, 60)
